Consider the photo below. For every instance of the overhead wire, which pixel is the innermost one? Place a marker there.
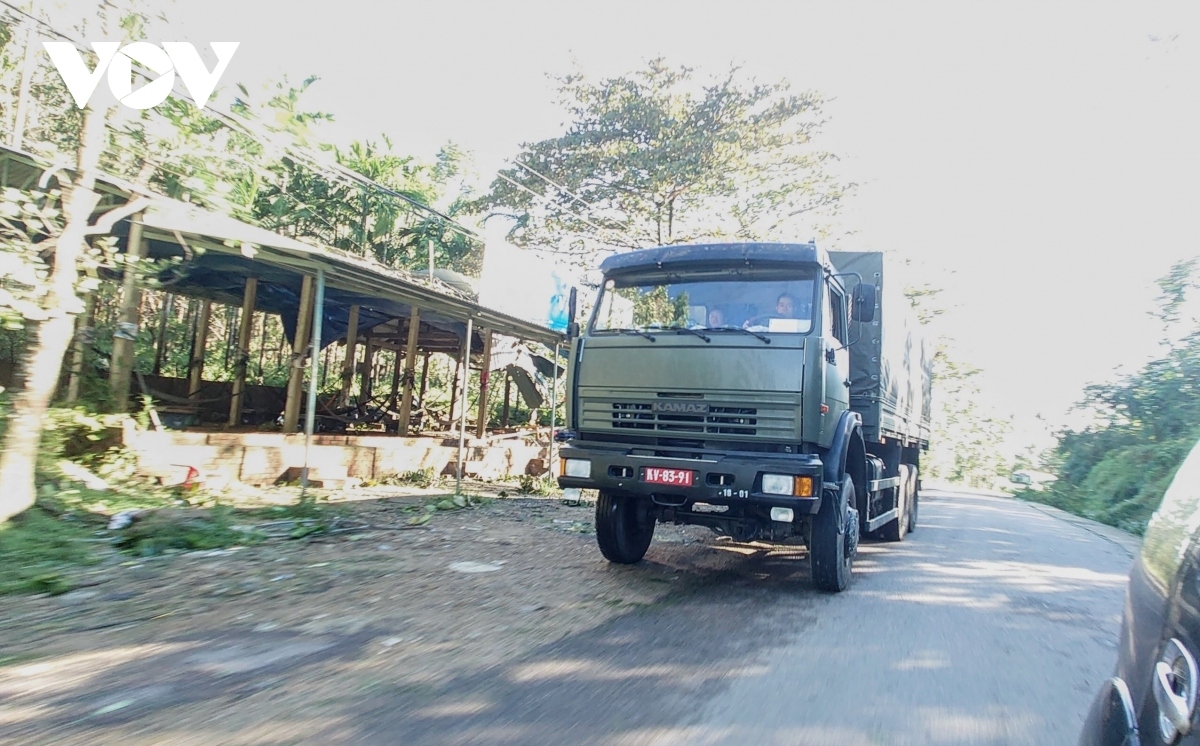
(560, 188)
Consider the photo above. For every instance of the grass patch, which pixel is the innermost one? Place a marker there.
(39, 548)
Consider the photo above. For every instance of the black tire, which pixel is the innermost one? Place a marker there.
(834, 539)
(623, 531)
(895, 530)
(914, 502)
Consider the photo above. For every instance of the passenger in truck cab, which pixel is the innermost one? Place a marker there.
(716, 318)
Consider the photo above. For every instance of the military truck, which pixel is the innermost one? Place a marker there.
(773, 392)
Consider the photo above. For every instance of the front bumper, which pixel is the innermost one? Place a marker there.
(726, 478)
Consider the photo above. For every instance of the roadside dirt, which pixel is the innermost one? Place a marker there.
(277, 642)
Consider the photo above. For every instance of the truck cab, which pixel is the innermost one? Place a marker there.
(712, 386)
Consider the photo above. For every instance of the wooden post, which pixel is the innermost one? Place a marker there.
(485, 370)
(83, 338)
(368, 372)
(249, 296)
(125, 336)
(295, 389)
(410, 368)
(351, 356)
(424, 386)
(196, 366)
(394, 396)
(507, 398)
(455, 385)
(160, 342)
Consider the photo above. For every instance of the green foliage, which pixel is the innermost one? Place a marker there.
(424, 478)
(183, 530)
(1117, 469)
(660, 157)
(37, 548)
(967, 445)
(542, 486)
(657, 308)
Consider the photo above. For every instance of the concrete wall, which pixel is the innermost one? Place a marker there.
(266, 458)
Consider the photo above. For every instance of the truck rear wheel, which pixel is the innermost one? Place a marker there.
(913, 499)
(895, 530)
(622, 530)
(834, 539)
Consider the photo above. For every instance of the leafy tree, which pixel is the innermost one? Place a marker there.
(1117, 469)
(659, 157)
(968, 441)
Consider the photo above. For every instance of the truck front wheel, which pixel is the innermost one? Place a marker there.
(623, 531)
(834, 539)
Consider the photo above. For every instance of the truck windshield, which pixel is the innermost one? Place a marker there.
(773, 302)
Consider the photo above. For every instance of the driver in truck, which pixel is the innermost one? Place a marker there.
(785, 307)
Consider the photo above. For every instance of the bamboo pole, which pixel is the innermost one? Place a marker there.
(199, 343)
(316, 315)
(462, 427)
(125, 336)
(295, 389)
(161, 337)
(249, 296)
(368, 373)
(410, 368)
(454, 386)
(351, 356)
(83, 337)
(504, 414)
(485, 370)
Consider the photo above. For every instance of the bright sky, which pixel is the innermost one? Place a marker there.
(1037, 160)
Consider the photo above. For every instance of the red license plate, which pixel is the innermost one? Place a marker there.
(672, 477)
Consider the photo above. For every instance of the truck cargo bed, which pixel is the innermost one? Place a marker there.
(891, 363)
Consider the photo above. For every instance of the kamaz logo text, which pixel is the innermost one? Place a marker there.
(680, 407)
(173, 57)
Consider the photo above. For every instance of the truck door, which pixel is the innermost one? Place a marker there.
(836, 354)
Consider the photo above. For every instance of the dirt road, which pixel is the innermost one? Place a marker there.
(993, 624)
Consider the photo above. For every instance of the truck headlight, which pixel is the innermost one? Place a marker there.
(787, 484)
(577, 467)
(777, 484)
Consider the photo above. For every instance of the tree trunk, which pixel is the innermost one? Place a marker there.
(40, 366)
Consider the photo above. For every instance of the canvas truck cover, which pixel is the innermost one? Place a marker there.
(891, 364)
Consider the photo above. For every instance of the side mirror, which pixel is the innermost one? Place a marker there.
(572, 324)
(864, 303)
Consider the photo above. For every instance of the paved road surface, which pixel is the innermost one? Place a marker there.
(993, 624)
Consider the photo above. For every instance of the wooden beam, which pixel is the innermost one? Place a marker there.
(485, 370)
(410, 369)
(351, 355)
(128, 318)
(196, 366)
(245, 328)
(424, 386)
(295, 389)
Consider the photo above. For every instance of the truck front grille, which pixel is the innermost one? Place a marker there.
(719, 420)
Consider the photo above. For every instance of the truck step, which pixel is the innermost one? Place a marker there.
(879, 520)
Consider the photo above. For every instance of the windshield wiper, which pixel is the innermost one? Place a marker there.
(678, 329)
(766, 340)
(633, 331)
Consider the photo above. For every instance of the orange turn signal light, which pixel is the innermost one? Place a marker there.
(803, 487)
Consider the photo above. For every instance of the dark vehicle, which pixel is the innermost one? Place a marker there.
(766, 391)
(1151, 698)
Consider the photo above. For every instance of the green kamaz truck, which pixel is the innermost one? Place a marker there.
(767, 391)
